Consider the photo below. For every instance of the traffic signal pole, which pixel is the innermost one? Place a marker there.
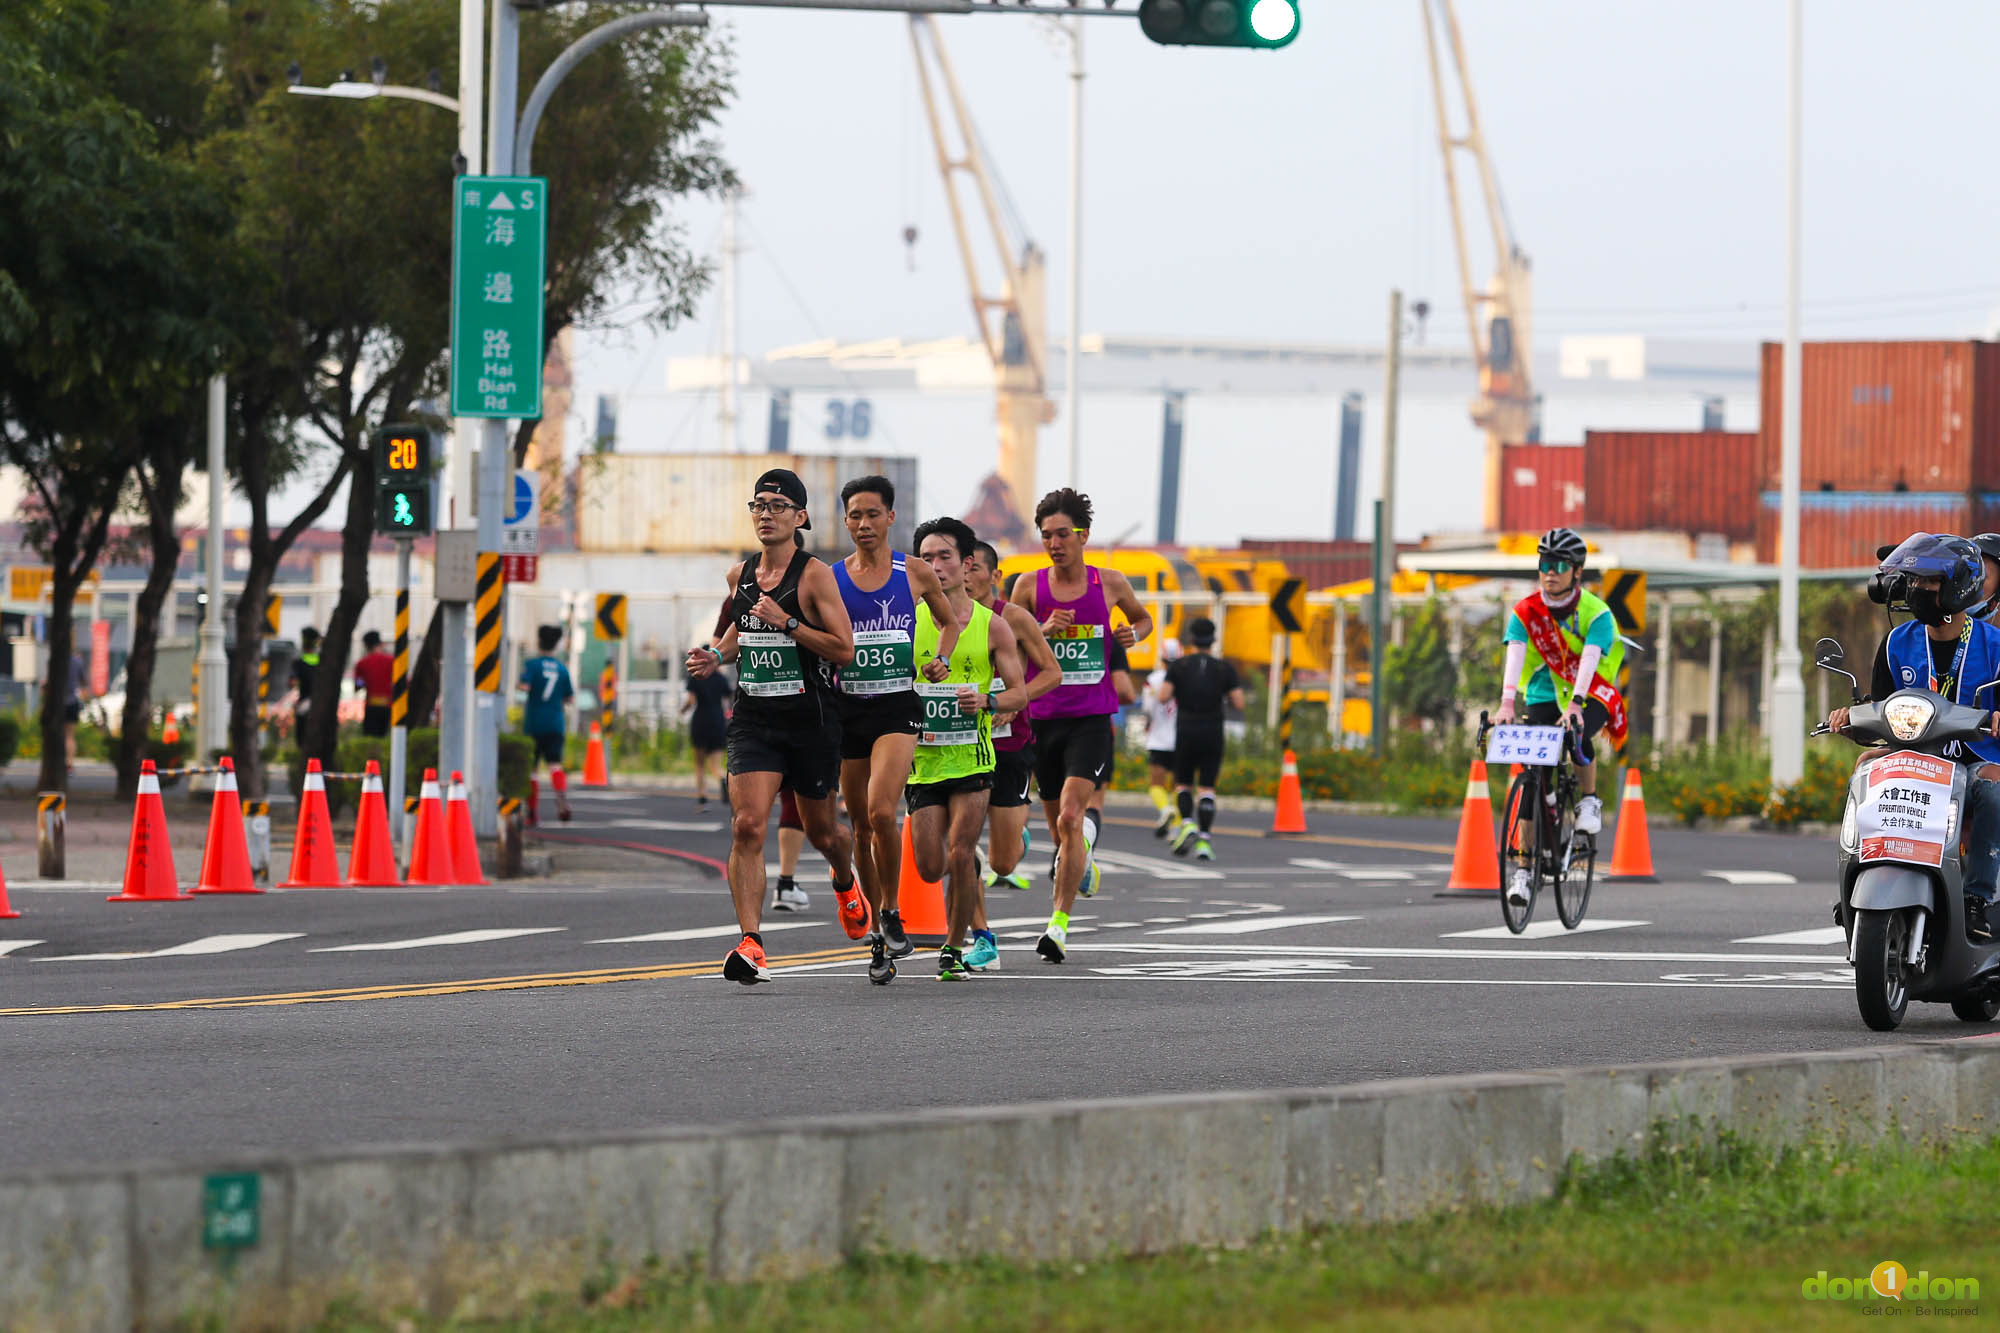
(399, 698)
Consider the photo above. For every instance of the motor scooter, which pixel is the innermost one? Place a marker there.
(1902, 895)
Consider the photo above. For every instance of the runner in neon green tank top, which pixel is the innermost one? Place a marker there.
(953, 775)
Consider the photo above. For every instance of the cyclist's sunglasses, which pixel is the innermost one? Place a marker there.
(1556, 565)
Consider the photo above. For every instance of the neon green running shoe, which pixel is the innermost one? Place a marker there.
(951, 965)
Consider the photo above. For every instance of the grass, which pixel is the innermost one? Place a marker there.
(1709, 1237)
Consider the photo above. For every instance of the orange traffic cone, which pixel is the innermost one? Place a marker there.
(1291, 816)
(1475, 861)
(225, 862)
(7, 912)
(314, 864)
(919, 900)
(1632, 853)
(595, 772)
(458, 829)
(170, 731)
(149, 857)
(430, 857)
(372, 862)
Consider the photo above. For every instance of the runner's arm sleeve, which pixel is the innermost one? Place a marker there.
(1586, 670)
(1517, 657)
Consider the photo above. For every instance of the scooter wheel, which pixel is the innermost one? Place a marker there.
(1975, 1010)
(1881, 986)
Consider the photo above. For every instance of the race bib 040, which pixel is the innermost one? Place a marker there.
(768, 666)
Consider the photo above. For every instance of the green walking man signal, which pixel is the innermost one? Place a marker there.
(405, 481)
(1252, 23)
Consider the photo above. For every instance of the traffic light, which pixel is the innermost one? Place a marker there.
(1261, 23)
(405, 481)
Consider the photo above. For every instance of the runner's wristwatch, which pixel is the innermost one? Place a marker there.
(791, 625)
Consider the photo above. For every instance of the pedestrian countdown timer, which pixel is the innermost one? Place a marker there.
(405, 481)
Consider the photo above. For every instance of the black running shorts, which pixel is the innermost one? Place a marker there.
(1197, 756)
(1595, 719)
(924, 795)
(809, 758)
(1013, 777)
(865, 719)
(1072, 747)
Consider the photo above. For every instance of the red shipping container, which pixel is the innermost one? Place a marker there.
(1322, 564)
(1888, 416)
(1541, 487)
(1672, 481)
(1843, 529)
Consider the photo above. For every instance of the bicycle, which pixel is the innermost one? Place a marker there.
(1549, 848)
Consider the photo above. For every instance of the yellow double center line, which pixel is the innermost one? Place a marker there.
(421, 989)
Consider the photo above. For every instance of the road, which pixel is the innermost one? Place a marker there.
(325, 1019)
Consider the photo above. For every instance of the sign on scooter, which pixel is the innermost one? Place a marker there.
(1904, 807)
(1535, 747)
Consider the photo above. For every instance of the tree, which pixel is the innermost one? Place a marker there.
(1420, 678)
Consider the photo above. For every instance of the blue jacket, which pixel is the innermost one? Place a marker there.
(1910, 665)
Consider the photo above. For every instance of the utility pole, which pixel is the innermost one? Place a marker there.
(212, 716)
(454, 659)
(1385, 533)
(1072, 351)
(727, 421)
(1788, 690)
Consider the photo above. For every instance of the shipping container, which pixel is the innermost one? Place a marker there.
(1842, 529)
(1322, 564)
(1888, 416)
(1541, 487)
(1672, 481)
(696, 502)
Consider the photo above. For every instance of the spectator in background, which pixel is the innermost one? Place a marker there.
(72, 690)
(708, 725)
(375, 677)
(304, 667)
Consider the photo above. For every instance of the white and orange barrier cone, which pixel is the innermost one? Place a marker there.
(430, 855)
(920, 901)
(1291, 813)
(458, 829)
(149, 857)
(314, 864)
(596, 772)
(1632, 852)
(225, 861)
(1475, 861)
(7, 912)
(371, 863)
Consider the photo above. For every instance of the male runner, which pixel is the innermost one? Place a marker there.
(880, 713)
(953, 771)
(1160, 733)
(788, 635)
(545, 680)
(375, 678)
(1013, 752)
(1073, 742)
(1198, 686)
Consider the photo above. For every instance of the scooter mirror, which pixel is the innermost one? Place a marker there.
(1829, 653)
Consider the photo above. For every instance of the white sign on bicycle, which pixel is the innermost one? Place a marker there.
(1536, 747)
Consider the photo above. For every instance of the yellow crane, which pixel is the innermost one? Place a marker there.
(1500, 315)
(1013, 317)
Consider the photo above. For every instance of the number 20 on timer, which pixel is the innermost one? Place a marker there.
(404, 478)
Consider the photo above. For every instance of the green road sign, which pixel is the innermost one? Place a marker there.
(498, 244)
(230, 1211)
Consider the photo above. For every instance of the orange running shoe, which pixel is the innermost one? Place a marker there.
(854, 914)
(746, 963)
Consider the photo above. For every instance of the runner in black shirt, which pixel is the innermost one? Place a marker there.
(1199, 685)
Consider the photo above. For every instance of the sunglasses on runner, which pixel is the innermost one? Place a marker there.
(1554, 565)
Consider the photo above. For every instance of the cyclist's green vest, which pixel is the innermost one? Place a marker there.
(954, 744)
(1589, 607)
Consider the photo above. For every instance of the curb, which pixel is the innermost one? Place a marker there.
(435, 1226)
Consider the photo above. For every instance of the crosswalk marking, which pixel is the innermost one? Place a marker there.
(1250, 925)
(429, 941)
(1164, 920)
(707, 932)
(1817, 935)
(207, 945)
(1375, 874)
(1156, 867)
(1747, 877)
(1539, 930)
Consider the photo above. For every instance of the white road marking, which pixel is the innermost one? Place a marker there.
(207, 945)
(1036, 934)
(1250, 925)
(1539, 930)
(1817, 935)
(430, 941)
(1119, 925)
(79, 885)
(1007, 921)
(1752, 876)
(670, 825)
(9, 946)
(1356, 869)
(1162, 900)
(1242, 969)
(592, 794)
(708, 932)
(1533, 955)
(1164, 920)
(1156, 867)
(1373, 875)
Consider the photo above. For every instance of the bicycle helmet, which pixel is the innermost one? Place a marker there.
(1955, 562)
(1563, 544)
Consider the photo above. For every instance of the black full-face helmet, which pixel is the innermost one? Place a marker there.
(1955, 562)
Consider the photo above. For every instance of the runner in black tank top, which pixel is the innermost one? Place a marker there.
(787, 634)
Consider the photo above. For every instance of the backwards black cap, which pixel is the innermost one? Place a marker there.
(786, 483)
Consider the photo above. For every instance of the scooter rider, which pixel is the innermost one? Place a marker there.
(1988, 607)
(1567, 640)
(1937, 578)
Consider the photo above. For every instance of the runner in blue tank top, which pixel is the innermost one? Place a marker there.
(1073, 741)
(880, 711)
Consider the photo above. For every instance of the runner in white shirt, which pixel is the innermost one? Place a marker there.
(1161, 717)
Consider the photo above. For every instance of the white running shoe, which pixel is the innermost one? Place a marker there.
(1517, 889)
(790, 898)
(1590, 815)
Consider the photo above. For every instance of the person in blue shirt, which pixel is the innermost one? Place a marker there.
(545, 719)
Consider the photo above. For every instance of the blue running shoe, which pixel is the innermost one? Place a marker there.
(983, 956)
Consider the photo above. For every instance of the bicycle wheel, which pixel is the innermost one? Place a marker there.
(1521, 847)
(1575, 858)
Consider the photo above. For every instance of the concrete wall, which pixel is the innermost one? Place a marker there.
(480, 1229)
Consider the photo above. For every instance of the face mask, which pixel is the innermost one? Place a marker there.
(1924, 606)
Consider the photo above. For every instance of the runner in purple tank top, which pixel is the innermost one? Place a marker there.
(1073, 741)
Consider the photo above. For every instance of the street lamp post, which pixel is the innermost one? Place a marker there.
(1788, 690)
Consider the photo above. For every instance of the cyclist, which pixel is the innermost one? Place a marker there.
(1942, 647)
(1566, 638)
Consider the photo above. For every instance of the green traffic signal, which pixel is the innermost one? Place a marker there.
(1251, 23)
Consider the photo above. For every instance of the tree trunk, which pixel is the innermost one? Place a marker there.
(58, 689)
(322, 733)
(425, 672)
(245, 711)
(161, 490)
